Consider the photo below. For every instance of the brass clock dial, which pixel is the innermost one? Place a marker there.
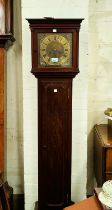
(55, 49)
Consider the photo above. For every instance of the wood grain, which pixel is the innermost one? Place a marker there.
(102, 154)
(91, 203)
(54, 141)
(6, 39)
(2, 52)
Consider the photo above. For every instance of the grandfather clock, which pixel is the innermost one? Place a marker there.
(55, 44)
(6, 39)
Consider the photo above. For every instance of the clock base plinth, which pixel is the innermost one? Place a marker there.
(71, 203)
(53, 208)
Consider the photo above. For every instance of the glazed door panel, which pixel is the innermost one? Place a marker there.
(54, 141)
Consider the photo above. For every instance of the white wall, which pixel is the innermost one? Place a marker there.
(60, 9)
(100, 71)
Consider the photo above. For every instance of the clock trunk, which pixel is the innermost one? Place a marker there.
(54, 155)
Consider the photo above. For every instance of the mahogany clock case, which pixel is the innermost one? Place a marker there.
(54, 109)
(6, 39)
(54, 143)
